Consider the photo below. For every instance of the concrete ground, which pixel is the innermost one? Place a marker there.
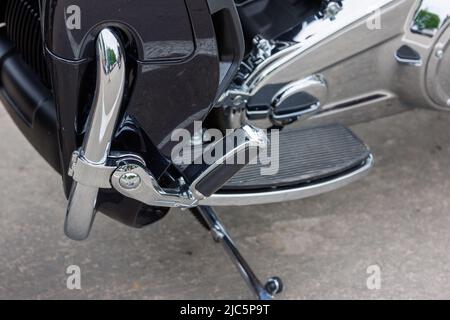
(398, 218)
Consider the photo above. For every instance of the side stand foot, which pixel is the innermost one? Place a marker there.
(208, 218)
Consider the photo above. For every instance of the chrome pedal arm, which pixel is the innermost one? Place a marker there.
(100, 128)
(136, 182)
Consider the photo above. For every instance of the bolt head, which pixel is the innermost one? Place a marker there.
(130, 181)
(237, 100)
(440, 54)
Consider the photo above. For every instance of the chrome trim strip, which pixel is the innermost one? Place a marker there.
(101, 124)
(314, 33)
(255, 198)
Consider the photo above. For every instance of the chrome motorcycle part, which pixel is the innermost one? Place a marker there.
(358, 55)
(312, 161)
(201, 181)
(130, 181)
(206, 179)
(246, 198)
(290, 103)
(332, 9)
(298, 100)
(262, 292)
(339, 158)
(99, 175)
(148, 190)
(309, 35)
(100, 128)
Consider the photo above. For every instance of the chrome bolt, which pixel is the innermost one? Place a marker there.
(239, 100)
(440, 54)
(332, 10)
(130, 181)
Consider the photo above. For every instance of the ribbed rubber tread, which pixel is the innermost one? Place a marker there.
(307, 155)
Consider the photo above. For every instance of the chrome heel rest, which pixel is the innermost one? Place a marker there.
(91, 159)
(278, 105)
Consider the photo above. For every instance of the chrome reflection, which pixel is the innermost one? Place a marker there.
(256, 70)
(430, 17)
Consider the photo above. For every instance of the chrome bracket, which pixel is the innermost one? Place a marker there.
(99, 175)
(145, 188)
(90, 174)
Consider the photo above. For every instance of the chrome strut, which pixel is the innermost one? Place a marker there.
(100, 128)
(262, 292)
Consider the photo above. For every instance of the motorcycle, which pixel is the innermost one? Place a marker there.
(127, 99)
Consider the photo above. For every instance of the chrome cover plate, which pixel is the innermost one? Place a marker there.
(356, 55)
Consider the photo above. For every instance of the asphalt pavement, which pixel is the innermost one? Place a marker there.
(395, 221)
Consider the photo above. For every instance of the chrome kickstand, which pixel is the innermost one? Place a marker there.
(263, 292)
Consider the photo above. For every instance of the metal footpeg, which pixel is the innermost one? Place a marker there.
(93, 155)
